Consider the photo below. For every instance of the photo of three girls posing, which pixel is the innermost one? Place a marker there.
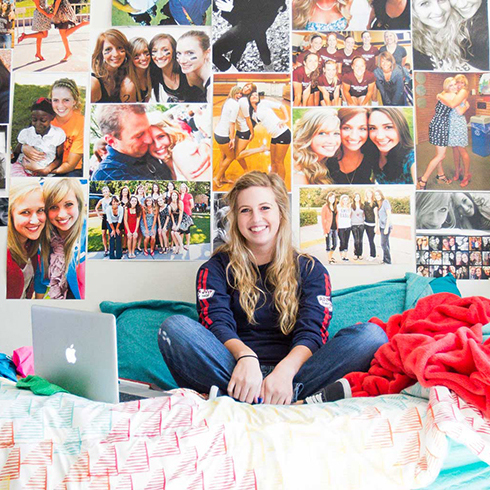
(264, 310)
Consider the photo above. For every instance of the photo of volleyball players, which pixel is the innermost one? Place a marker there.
(352, 68)
(149, 220)
(353, 145)
(148, 141)
(356, 225)
(251, 125)
(453, 128)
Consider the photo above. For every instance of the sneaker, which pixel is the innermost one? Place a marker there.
(331, 393)
(345, 259)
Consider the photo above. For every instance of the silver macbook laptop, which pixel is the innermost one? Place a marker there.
(77, 350)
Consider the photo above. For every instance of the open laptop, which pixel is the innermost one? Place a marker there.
(77, 350)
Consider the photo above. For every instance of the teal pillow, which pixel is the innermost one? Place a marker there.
(446, 284)
(139, 357)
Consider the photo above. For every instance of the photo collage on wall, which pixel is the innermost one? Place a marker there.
(152, 119)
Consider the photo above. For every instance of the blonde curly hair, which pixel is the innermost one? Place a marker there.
(282, 277)
(305, 129)
(303, 9)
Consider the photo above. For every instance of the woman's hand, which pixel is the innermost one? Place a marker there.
(118, 231)
(246, 380)
(113, 233)
(277, 388)
(32, 154)
(387, 230)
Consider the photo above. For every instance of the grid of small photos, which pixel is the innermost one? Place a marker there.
(375, 113)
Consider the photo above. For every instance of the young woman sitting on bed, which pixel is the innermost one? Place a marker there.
(264, 311)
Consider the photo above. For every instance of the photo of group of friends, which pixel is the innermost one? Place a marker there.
(352, 68)
(149, 220)
(356, 225)
(46, 238)
(7, 20)
(146, 141)
(353, 146)
(152, 64)
(465, 257)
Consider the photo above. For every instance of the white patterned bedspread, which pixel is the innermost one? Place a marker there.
(183, 442)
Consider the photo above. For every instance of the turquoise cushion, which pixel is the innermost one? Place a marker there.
(138, 322)
(446, 284)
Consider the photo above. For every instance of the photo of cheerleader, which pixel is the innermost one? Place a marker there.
(251, 127)
(251, 36)
(162, 220)
(455, 125)
(373, 225)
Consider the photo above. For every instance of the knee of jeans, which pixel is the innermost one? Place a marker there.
(173, 328)
(374, 336)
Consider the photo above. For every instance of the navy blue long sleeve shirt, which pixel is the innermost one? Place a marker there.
(219, 310)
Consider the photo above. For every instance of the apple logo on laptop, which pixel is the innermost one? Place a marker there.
(70, 354)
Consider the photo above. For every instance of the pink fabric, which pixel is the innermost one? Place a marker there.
(58, 286)
(436, 343)
(24, 361)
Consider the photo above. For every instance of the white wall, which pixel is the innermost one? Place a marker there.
(132, 281)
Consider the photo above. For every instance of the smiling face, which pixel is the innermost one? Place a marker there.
(349, 43)
(359, 67)
(28, 216)
(135, 136)
(190, 55)
(326, 140)
(258, 219)
(141, 59)
(466, 8)
(162, 53)
(254, 97)
(316, 44)
(354, 132)
(311, 63)
(159, 148)
(383, 132)
(332, 41)
(385, 65)
(330, 70)
(464, 204)
(113, 56)
(133, 202)
(435, 218)
(390, 38)
(41, 121)
(432, 13)
(64, 214)
(366, 38)
(63, 102)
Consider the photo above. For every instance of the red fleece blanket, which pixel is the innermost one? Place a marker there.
(439, 342)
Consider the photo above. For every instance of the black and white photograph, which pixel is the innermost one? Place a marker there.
(251, 36)
(220, 221)
(463, 211)
(450, 35)
(453, 131)
(4, 206)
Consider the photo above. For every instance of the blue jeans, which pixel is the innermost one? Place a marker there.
(198, 360)
(115, 251)
(385, 245)
(331, 240)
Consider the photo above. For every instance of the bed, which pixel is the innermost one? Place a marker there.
(419, 438)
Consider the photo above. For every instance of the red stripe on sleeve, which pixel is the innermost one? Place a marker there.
(204, 316)
(326, 313)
